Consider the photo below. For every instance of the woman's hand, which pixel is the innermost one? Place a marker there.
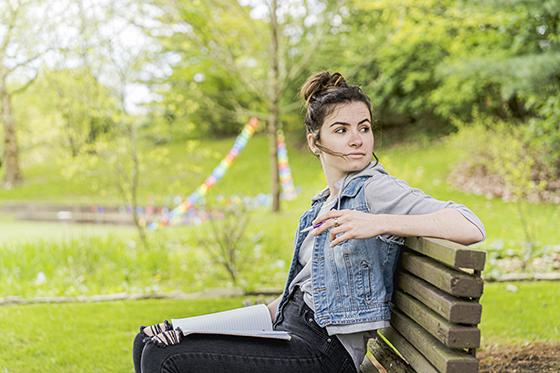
(273, 307)
(350, 224)
(272, 312)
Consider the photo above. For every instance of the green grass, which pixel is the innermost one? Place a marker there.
(111, 264)
(166, 171)
(97, 337)
(529, 314)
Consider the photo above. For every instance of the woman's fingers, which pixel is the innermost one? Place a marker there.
(328, 215)
(343, 237)
(335, 231)
(326, 225)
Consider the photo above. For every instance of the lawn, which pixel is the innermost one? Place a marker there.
(97, 337)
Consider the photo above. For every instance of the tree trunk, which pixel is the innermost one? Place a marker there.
(134, 188)
(274, 110)
(12, 172)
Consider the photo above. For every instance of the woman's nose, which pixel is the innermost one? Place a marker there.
(356, 139)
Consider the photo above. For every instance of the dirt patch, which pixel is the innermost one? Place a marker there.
(534, 357)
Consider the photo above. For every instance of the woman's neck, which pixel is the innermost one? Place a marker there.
(335, 185)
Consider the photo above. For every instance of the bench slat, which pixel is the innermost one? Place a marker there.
(447, 252)
(452, 309)
(442, 358)
(380, 353)
(451, 281)
(452, 335)
(412, 356)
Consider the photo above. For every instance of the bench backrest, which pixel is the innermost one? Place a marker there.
(436, 306)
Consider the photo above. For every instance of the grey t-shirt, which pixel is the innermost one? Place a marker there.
(385, 194)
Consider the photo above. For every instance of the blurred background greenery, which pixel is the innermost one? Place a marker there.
(132, 103)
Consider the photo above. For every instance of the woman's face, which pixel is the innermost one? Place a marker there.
(346, 130)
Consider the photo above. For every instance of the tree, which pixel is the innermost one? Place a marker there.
(94, 97)
(438, 60)
(20, 48)
(241, 60)
(84, 105)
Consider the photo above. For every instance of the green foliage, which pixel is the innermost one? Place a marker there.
(221, 70)
(515, 154)
(223, 73)
(85, 107)
(543, 135)
(440, 60)
(67, 109)
(107, 263)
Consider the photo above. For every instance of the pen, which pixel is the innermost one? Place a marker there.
(311, 227)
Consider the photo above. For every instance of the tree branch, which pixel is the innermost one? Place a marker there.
(26, 85)
(320, 35)
(9, 31)
(27, 61)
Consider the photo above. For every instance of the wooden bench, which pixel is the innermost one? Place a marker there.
(435, 313)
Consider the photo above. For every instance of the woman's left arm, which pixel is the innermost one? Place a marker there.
(447, 223)
(397, 209)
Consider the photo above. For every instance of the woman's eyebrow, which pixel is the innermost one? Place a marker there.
(348, 124)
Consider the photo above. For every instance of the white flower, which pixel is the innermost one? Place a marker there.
(41, 278)
(511, 288)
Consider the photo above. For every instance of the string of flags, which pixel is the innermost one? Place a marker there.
(286, 181)
(188, 211)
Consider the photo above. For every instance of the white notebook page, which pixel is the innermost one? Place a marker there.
(248, 321)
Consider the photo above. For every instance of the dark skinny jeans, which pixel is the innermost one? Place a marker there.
(311, 349)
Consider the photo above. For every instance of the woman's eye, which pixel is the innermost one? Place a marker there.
(365, 129)
(340, 130)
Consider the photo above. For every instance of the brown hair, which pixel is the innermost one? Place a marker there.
(321, 93)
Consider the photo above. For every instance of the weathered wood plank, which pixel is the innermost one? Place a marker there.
(441, 357)
(416, 360)
(455, 310)
(452, 335)
(447, 252)
(367, 366)
(451, 281)
(388, 358)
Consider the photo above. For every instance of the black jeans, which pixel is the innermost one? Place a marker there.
(310, 350)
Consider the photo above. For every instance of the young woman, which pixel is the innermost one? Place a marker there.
(340, 280)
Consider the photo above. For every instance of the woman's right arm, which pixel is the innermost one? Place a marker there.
(273, 306)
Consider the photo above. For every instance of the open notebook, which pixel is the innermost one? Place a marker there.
(252, 321)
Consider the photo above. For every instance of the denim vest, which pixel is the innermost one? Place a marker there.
(353, 281)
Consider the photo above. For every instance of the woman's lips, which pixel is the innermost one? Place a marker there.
(355, 155)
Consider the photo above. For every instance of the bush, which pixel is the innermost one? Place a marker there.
(507, 160)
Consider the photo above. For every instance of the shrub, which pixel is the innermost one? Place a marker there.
(508, 160)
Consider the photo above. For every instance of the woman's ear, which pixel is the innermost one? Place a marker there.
(310, 144)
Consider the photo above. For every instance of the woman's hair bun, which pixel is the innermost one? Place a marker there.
(321, 84)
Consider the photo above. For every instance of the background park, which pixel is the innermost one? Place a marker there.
(136, 187)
